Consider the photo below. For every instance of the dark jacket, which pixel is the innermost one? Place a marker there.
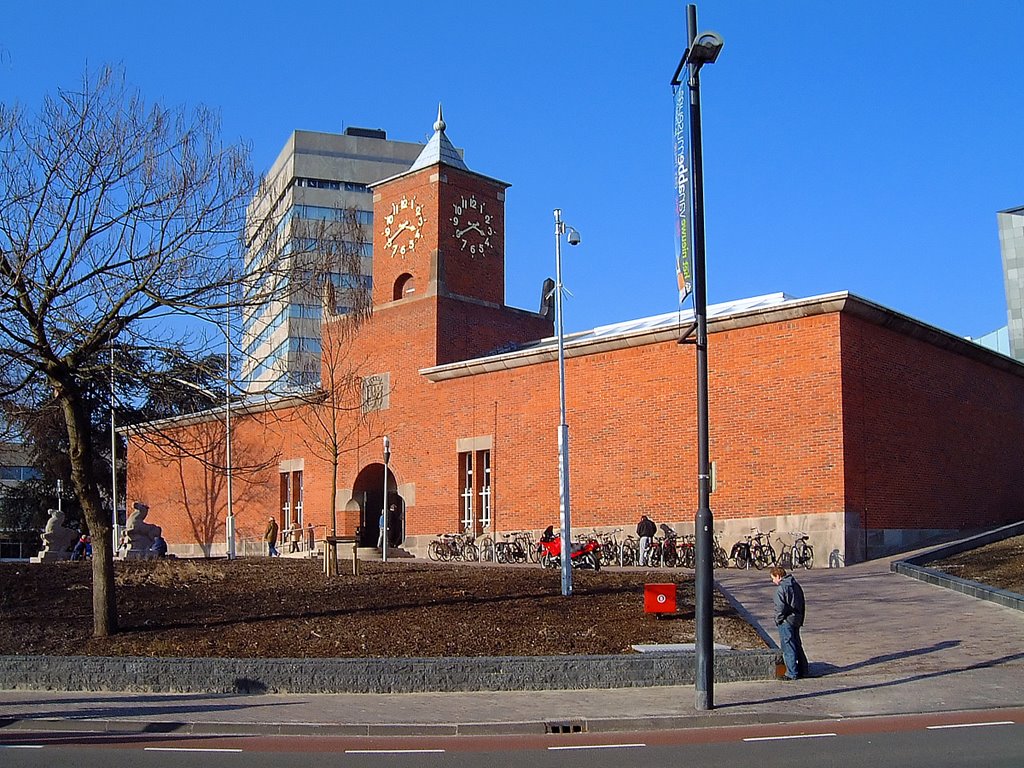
(789, 602)
(646, 527)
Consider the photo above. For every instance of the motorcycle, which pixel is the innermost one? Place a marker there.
(583, 555)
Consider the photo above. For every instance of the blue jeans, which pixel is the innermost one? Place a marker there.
(792, 651)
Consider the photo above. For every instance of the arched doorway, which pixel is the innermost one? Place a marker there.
(368, 490)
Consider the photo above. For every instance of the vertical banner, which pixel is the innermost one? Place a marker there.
(684, 267)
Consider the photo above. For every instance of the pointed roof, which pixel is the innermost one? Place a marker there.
(439, 149)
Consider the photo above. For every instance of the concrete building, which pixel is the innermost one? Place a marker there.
(318, 180)
(1011, 240)
(833, 415)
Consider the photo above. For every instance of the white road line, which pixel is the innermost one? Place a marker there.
(392, 752)
(21, 746)
(794, 736)
(600, 746)
(969, 725)
(188, 749)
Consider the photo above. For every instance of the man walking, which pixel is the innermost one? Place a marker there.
(789, 617)
(270, 536)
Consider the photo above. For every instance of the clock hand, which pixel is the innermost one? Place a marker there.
(401, 228)
(471, 225)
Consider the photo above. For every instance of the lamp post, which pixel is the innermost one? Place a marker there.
(701, 49)
(229, 523)
(563, 428)
(384, 509)
(115, 533)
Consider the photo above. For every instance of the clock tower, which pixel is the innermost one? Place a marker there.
(439, 263)
(439, 230)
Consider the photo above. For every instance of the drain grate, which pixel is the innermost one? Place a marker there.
(565, 728)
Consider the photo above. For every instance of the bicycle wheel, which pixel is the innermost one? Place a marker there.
(670, 557)
(721, 559)
(470, 553)
(434, 550)
(807, 557)
(654, 556)
(758, 557)
(786, 558)
(487, 551)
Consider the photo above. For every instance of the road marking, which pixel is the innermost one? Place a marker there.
(21, 746)
(600, 746)
(794, 736)
(392, 752)
(969, 725)
(188, 749)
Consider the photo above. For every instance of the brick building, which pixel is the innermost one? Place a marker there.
(832, 415)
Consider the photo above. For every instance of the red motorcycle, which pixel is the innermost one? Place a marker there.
(584, 555)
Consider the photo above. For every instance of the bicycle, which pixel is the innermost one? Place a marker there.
(761, 550)
(741, 554)
(719, 557)
(802, 553)
(486, 550)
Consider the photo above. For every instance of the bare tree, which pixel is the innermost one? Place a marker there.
(114, 214)
(333, 413)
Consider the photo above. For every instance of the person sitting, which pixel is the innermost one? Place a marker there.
(159, 548)
(83, 548)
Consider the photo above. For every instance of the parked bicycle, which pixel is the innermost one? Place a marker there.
(761, 550)
(802, 551)
(741, 553)
(453, 546)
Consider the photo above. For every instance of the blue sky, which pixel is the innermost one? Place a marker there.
(847, 146)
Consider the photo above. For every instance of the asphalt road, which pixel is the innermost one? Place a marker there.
(988, 739)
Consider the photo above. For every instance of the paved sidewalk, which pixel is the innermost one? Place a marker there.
(879, 643)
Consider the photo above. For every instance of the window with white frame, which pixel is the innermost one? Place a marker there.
(485, 490)
(467, 491)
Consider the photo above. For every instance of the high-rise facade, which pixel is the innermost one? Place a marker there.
(316, 191)
(1011, 239)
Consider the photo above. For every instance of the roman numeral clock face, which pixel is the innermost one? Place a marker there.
(474, 228)
(403, 226)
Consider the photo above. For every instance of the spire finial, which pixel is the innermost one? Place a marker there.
(439, 125)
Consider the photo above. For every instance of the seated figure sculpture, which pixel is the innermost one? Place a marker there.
(57, 539)
(140, 533)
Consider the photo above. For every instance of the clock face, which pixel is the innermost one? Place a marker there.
(403, 225)
(474, 226)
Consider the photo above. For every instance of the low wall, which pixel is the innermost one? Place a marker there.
(179, 675)
(915, 567)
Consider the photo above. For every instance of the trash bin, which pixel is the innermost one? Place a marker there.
(659, 598)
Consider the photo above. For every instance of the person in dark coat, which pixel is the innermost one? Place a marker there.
(790, 608)
(270, 536)
(645, 529)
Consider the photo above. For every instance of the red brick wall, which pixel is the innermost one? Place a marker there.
(914, 436)
(933, 437)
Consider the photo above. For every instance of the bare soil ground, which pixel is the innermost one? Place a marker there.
(1000, 565)
(282, 608)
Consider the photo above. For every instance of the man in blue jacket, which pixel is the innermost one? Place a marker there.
(789, 617)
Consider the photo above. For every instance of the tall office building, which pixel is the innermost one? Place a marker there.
(1011, 239)
(315, 192)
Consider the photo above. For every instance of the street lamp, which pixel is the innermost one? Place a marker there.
(384, 509)
(229, 523)
(563, 428)
(701, 49)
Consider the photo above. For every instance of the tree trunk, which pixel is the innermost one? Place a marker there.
(104, 603)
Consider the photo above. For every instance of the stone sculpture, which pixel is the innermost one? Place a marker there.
(57, 539)
(140, 533)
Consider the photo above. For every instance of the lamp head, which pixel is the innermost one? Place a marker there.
(573, 237)
(705, 49)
